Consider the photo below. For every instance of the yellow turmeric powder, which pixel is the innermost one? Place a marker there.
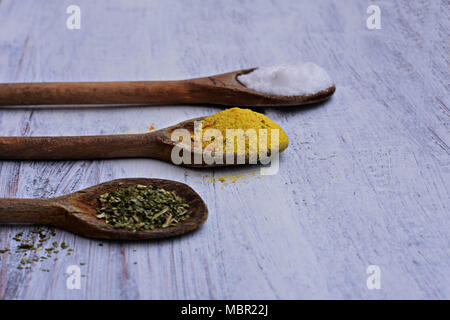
(245, 120)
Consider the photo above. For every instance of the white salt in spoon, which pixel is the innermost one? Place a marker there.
(258, 87)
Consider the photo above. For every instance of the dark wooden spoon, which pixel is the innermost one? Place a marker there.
(76, 212)
(222, 89)
(157, 145)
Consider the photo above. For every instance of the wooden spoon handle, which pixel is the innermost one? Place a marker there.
(83, 147)
(29, 211)
(130, 92)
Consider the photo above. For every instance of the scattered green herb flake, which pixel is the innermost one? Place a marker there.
(31, 244)
(27, 246)
(18, 237)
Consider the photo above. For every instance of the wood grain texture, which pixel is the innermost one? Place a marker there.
(156, 145)
(364, 181)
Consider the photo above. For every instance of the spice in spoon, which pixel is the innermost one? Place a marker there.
(244, 120)
(140, 207)
(288, 80)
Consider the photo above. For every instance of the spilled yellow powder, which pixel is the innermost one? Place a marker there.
(245, 119)
(151, 127)
(230, 179)
(147, 129)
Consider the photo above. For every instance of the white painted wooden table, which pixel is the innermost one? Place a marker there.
(364, 182)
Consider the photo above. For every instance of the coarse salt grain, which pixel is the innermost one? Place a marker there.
(288, 80)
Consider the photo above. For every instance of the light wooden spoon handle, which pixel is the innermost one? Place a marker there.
(84, 147)
(125, 92)
(41, 211)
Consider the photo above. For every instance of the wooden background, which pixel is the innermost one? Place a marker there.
(365, 180)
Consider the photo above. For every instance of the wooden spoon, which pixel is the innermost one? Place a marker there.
(222, 89)
(76, 212)
(157, 145)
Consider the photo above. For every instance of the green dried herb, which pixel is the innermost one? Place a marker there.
(142, 208)
(18, 236)
(26, 246)
(32, 252)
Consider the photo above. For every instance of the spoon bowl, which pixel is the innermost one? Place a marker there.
(77, 213)
(228, 86)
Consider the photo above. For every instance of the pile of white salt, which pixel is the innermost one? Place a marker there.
(288, 80)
